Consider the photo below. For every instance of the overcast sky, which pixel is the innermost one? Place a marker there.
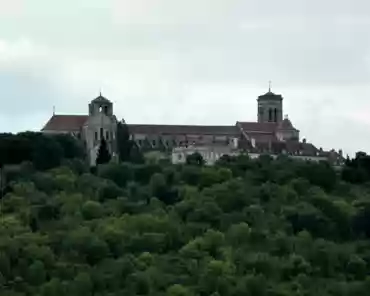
(190, 62)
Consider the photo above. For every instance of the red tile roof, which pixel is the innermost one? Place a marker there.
(263, 138)
(257, 127)
(286, 124)
(291, 147)
(261, 132)
(61, 123)
(221, 130)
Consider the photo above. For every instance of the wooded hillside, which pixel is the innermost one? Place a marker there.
(242, 227)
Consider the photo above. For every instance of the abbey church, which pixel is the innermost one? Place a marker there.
(271, 133)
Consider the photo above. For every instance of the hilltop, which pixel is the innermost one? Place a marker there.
(242, 227)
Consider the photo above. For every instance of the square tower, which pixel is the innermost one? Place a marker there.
(270, 107)
(101, 124)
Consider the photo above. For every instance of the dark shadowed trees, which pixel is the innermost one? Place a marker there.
(103, 153)
(357, 170)
(43, 151)
(128, 150)
(195, 159)
(124, 144)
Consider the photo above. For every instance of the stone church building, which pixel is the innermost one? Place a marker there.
(271, 133)
(101, 122)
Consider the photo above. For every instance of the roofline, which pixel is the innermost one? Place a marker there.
(256, 122)
(44, 129)
(261, 132)
(181, 125)
(85, 115)
(242, 131)
(269, 99)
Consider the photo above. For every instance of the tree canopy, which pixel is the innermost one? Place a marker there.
(124, 145)
(43, 151)
(241, 227)
(103, 153)
(127, 149)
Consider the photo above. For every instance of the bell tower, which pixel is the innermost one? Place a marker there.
(101, 105)
(270, 107)
(101, 124)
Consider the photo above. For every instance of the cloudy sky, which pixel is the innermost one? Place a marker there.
(190, 62)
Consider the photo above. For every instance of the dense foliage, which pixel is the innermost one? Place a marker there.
(243, 227)
(357, 170)
(103, 153)
(127, 150)
(43, 151)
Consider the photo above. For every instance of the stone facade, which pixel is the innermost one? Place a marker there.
(100, 123)
(270, 107)
(168, 137)
(270, 134)
(210, 153)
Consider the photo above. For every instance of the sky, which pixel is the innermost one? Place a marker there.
(190, 62)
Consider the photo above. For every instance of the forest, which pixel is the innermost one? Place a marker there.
(243, 227)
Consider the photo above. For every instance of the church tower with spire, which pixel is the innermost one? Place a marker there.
(270, 107)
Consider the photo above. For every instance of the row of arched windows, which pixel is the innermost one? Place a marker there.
(98, 135)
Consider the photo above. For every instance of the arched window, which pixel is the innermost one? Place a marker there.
(275, 115)
(270, 114)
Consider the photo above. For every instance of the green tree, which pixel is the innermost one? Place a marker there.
(92, 210)
(103, 153)
(178, 290)
(83, 285)
(120, 174)
(195, 159)
(124, 144)
(5, 268)
(53, 288)
(72, 147)
(265, 227)
(356, 267)
(36, 273)
(218, 277)
(357, 170)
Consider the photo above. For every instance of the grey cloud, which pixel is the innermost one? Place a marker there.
(205, 55)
